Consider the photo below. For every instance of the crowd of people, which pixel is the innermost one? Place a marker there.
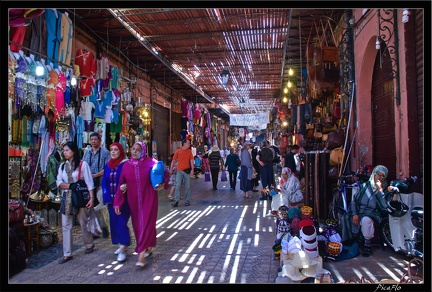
(124, 189)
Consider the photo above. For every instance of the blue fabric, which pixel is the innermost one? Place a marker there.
(157, 174)
(120, 233)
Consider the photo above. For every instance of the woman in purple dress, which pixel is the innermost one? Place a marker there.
(120, 233)
(142, 200)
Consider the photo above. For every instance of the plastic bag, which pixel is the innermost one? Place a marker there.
(92, 225)
(224, 176)
(207, 176)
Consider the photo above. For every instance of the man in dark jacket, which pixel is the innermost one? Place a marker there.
(289, 160)
(265, 159)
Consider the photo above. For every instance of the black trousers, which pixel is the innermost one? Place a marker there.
(232, 179)
(215, 176)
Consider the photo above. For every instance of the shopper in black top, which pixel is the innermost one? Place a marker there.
(289, 160)
(216, 165)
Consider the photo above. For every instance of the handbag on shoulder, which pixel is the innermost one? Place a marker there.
(80, 192)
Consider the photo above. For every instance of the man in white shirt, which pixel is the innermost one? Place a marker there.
(224, 153)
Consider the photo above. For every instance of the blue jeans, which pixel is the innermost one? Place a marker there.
(181, 175)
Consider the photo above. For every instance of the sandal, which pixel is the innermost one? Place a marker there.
(247, 197)
(64, 259)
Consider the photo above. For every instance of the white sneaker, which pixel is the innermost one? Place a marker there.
(121, 257)
(119, 250)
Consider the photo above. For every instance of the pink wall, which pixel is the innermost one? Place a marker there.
(365, 54)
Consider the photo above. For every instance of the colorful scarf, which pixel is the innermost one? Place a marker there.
(112, 163)
(143, 156)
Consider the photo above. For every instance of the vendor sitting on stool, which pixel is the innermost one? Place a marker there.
(364, 210)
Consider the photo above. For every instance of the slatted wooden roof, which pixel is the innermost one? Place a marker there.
(187, 49)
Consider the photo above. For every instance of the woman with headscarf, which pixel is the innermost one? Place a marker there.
(142, 200)
(120, 233)
(365, 208)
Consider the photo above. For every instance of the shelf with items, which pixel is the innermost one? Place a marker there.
(15, 176)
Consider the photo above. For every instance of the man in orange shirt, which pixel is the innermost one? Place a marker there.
(185, 169)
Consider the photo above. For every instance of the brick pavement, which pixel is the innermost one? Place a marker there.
(221, 238)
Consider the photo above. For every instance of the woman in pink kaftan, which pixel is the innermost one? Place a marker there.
(142, 199)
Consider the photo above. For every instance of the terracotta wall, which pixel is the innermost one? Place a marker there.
(365, 54)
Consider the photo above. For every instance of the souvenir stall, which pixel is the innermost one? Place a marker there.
(51, 102)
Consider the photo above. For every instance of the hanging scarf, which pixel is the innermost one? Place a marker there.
(68, 200)
(112, 163)
(143, 156)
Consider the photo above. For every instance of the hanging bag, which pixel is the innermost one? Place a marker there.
(80, 192)
(224, 176)
(207, 176)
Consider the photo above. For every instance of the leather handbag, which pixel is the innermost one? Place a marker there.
(80, 193)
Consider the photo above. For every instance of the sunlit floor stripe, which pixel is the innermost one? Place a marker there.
(204, 240)
(232, 244)
(240, 221)
(211, 241)
(387, 270)
(192, 258)
(185, 269)
(192, 275)
(167, 279)
(200, 260)
(369, 274)
(160, 234)
(179, 279)
(201, 277)
(194, 243)
(167, 218)
(224, 269)
(211, 280)
(172, 236)
(209, 210)
(256, 239)
(234, 269)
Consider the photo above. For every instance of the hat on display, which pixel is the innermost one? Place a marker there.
(309, 244)
(334, 248)
(302, 261)
(292, 272)
(294, 245)
(215, 148)
(306, 210)
(308, 233)
(313, 253)
(333, 235)
(314, 271)
(293, 211)
(307, 222)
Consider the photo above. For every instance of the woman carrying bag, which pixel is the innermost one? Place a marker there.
(66, 177)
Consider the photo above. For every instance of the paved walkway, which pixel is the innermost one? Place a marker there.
(221, 238)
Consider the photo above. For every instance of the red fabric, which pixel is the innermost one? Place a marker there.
(15, 152)
(142, 200)
(17, 36)
(112, 163)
